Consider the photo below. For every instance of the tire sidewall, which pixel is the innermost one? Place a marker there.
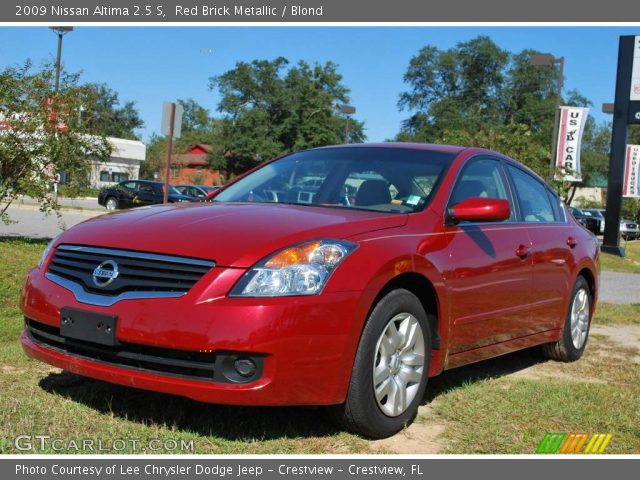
(361, 396)
(574, 353)
(115, 203)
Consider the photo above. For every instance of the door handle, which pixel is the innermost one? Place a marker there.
(523, 251)
(571, 242)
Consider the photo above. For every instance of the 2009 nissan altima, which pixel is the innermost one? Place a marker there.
(341, 276)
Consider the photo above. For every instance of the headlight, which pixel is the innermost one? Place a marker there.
(298, 270)
(47, 251)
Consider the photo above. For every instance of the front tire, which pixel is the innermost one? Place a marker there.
(575, 332)
(390, 370)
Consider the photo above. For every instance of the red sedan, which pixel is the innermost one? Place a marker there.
(341, 276)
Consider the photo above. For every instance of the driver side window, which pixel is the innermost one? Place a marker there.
(481, 178)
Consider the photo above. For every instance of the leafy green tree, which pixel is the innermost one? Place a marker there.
(478, 94)
(42, 134)
(103, 114)
(270, 108)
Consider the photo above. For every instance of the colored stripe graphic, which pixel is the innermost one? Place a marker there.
(551, 442)
(574, 443)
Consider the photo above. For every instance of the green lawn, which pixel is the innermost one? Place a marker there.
(491, 407)
(630, 263)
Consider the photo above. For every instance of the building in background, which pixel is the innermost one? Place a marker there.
(124, 163)
(192, 167)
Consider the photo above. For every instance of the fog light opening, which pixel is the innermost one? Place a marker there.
(245, 367)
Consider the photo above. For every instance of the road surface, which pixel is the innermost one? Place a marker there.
(32, 223)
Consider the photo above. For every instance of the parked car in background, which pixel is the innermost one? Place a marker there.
(589, 222)
(137, 193)
(629, 229)
(598, 215)
(198, 191)
(444, 256)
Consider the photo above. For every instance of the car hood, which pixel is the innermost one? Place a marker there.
(231, 234)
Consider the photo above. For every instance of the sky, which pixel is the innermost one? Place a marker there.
(152, 64)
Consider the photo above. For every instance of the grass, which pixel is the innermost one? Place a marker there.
(630, 263)
(610, 314)
(503, 405)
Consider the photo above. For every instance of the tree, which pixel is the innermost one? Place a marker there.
(42, 134)
(103, 114)
(270, 109)
(478, 94)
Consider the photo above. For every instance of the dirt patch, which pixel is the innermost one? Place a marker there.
(627, 336)
(422, 436)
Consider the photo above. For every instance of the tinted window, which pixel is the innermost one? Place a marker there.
(390, 180)
(130, 185)
(532, 195)
(145, 187)
(481, 178)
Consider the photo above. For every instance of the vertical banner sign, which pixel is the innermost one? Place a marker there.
(631, 186)
(572, 121)
(635, 71)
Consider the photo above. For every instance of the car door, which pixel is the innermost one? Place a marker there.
(127, 194)
(551, 243)
(490, 274)
(146, 195)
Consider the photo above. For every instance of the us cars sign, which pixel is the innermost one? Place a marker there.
(631, 187)
(567, 162)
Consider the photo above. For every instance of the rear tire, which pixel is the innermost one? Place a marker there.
(575, 332)
(111, 203)
(390, 369)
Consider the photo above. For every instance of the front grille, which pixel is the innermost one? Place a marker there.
(182, 363)
(632, 226)
(136, 271)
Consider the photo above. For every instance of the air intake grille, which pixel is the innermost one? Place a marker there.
(113, 272)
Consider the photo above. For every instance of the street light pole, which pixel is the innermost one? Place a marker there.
(60, 32)
(548, 60)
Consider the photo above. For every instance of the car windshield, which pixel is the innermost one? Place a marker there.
(393, 180)
(174, 191)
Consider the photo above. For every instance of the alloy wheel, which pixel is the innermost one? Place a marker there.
(399, 364)
(580, 318)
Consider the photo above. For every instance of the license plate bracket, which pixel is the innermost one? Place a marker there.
(88, 326)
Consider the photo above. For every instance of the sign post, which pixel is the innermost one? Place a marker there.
(626, 111)
(171, 126)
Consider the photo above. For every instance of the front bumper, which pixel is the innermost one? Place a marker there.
(307, 344)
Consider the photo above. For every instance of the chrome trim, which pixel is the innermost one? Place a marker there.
(83, 296)
(134, 254)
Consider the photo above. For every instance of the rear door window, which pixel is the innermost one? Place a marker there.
(535, 205)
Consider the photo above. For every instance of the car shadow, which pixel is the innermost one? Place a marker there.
(248, 423)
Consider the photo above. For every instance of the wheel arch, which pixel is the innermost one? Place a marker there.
(424, 290)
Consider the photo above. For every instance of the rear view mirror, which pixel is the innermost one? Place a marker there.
(480, 209)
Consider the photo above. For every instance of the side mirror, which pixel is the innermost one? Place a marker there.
(480, 209)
